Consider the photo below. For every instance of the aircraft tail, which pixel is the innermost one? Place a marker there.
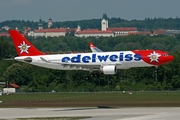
(22, 45)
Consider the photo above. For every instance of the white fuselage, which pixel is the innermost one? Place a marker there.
(88, 61)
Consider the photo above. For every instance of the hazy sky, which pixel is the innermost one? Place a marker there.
(69, 10)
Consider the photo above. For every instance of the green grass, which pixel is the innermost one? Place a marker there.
(114, 99)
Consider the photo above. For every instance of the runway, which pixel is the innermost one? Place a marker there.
(140, 113)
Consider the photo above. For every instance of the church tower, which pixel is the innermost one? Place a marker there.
(104, 22)
(50, 23)
(40, 25)
(78, 28)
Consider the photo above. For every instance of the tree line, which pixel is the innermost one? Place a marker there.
(37, 79)
(146, 24)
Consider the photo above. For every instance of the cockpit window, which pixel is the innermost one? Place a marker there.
(166, 54)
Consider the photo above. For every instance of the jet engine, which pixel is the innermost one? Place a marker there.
(108, 70)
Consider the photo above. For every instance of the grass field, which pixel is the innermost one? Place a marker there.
(94, 99)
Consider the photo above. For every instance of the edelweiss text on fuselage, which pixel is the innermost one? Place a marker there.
(102, 58)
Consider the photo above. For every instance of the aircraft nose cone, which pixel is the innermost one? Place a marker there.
(170, 58)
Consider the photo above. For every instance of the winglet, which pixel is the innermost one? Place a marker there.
(91, 45)
(94, 48)
(22, 45)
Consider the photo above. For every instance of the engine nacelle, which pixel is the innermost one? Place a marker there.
(109, 69)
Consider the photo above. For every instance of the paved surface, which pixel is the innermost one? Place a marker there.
(144, 113)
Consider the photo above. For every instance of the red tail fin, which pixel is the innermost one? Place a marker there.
(22, 45)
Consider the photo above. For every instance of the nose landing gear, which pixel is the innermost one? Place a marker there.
(156, 73)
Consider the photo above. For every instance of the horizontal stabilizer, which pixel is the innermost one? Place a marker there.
(43, 59)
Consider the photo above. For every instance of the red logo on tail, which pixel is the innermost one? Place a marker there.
(24, 47)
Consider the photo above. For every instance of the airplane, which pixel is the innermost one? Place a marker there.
(103, 62)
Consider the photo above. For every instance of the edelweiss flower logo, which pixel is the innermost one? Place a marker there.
(24, 47)
(154, 56)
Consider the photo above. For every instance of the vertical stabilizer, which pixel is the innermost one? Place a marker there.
(22, 45)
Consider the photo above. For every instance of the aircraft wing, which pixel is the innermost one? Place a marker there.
(70, 65)
(94, 48)
(81, 66)
(92, 67)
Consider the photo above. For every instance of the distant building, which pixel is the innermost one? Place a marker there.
(4, 34)
(49, 32)
(94, 33)
(40, 25)
(50, 23)
(52, 32)
(78, 28)
(172, 32)
(159, 32)
(145, 33)
(6, 27)
(104, 22)
(11, 88)
(105, 31)
(124, 31)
